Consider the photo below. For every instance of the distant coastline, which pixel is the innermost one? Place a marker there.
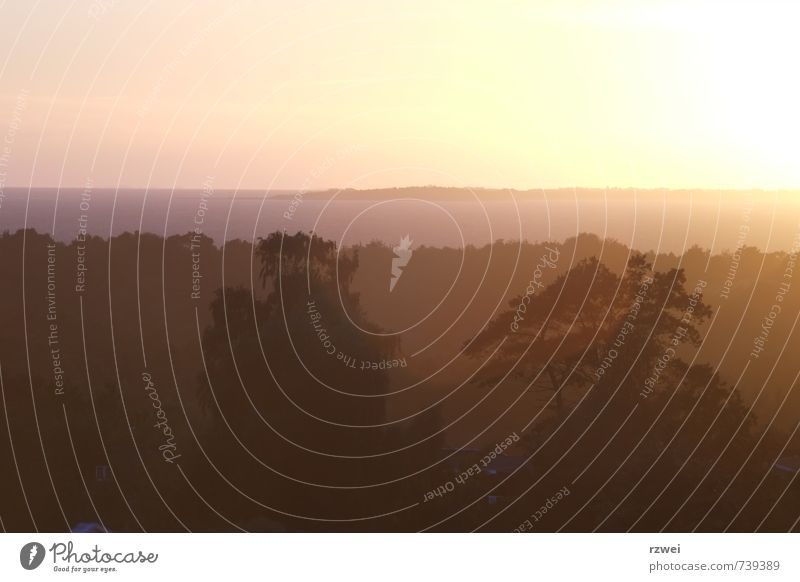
(443, 193)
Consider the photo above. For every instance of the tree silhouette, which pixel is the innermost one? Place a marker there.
(606, 351)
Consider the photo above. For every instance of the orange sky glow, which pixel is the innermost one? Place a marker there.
(282, 95)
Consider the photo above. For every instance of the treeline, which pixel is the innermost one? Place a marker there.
(169, 384)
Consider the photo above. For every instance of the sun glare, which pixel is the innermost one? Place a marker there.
(750, 88)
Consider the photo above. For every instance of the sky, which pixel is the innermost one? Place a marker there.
(362, 94)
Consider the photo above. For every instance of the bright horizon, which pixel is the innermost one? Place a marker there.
(281, 96)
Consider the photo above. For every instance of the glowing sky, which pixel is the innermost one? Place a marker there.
(369, 93)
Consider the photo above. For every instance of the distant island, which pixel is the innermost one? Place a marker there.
(445, 193)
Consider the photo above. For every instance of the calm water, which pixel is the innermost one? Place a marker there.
(648, 222)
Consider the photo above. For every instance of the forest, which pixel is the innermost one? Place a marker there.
(292, 384)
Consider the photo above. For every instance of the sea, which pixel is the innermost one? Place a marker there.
(648, 222)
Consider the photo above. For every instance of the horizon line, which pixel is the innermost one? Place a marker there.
(407, 187)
